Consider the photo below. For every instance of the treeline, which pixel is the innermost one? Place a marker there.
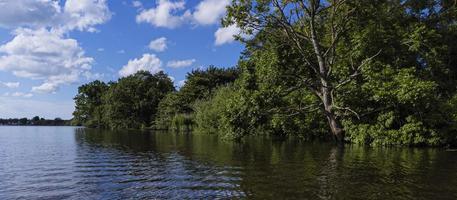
(147, 101)
(374, 72)
(35, 121)
(129, 103)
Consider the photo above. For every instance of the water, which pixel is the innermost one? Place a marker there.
(76, 163)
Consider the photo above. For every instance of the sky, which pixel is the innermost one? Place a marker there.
(50, 47)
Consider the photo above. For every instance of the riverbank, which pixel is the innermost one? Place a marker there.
(35, 121)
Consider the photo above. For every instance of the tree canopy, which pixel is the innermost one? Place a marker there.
(129, 103)
(381, 68)
(379, 72)
(200, 85)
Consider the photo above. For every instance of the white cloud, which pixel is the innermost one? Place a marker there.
(172, 78)
(137, 4)
(122, 51)
(181, 63)
(159, 44)
(165, 14)
(100, 49)
(10, 84)
(93, 76)
(149, 62)
(181, 83)
(21, 94)
(210, 11)
(173, 13)
(18, 94)
(30, 13)
(81, 15)
(40, 48)
(43, 54)
(84, 14)
(45, 88)
(225, 35)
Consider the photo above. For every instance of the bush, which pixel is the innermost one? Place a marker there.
(211, 115)
(182, 123)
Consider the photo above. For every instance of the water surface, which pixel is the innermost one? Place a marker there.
(77, 163)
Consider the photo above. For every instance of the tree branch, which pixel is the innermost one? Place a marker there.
(356, 71)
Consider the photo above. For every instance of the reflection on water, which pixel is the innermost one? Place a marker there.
(76, 163)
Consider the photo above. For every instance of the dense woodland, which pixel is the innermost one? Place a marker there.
(35, 121)
(379, 72)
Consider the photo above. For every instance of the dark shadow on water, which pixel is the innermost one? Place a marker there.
(97, 164)
(266, 167)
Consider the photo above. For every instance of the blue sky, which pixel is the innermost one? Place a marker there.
(50, 47)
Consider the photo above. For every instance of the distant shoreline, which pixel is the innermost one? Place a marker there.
(35, 121)
(38, 125)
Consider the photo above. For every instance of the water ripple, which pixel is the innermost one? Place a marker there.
(72, 163)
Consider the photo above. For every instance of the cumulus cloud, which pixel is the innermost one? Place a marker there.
(171, 14)
(181, 63)
(226, 35)
(159, 44)
(10, 85)
(84, 14)
(165, 14)
(149, 62)
(43, 54)
(80, 15)
(207, 12)
(52, 83)
(210, 11)
(40, 48)
(30, 13)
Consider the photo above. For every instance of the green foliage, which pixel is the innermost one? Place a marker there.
(167, 109)
(201, 84)
(383, 132)
(258, 104)
(182, 122)
(177, 108)
(132, 102)
(223, 114)
(35, 121)
(401, 96)
(382, 71)
(89, 105)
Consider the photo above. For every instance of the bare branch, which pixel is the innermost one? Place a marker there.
(292, 34)
(356, 71)
(334, 105)
(347, 109)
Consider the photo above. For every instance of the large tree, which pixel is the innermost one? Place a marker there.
(89, 105)
(357, 57)
(132, 102)
(314, 28)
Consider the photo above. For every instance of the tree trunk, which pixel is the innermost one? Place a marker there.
(325, 87)
(336, 128)
(334, 123)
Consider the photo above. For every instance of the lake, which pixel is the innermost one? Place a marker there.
(77, 163)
